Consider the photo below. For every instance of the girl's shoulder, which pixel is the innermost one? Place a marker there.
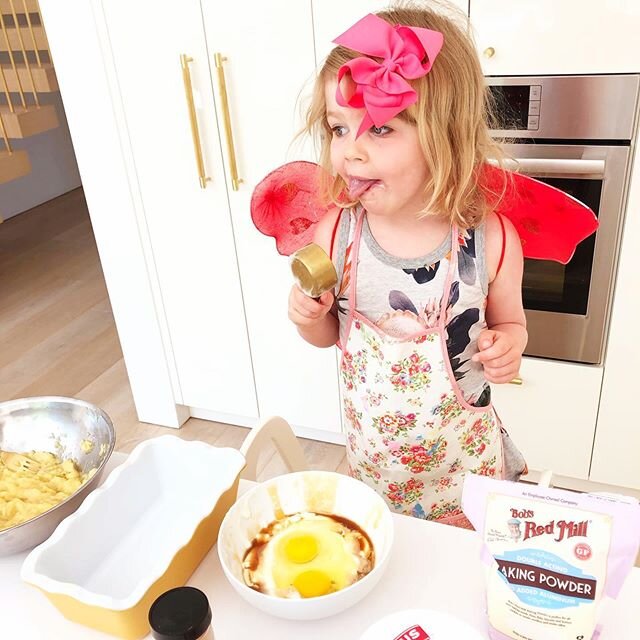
(326, 227)
(502, 244)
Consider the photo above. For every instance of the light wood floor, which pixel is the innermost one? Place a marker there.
(58, 337)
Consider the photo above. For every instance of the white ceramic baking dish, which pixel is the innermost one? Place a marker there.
(144, 531)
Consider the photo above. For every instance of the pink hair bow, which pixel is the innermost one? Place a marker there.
(381, 88)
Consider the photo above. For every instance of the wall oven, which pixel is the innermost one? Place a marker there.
(575, 133)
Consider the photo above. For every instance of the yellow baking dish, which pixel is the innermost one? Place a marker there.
(144, 531)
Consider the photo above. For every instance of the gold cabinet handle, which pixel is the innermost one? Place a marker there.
(517, 381)
(195, 134)
(489, 52)
(222, 84)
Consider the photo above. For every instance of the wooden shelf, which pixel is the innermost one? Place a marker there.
(44, 77)
(18, 5)
(23, 123)
(14, 165)
(14, 41)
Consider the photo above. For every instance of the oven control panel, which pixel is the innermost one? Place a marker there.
(517, 107)
(599, 107)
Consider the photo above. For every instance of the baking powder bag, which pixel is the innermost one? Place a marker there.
(551, 556)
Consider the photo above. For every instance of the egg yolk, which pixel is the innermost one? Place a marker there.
(312, 583)
(305, 555)
(301, 548)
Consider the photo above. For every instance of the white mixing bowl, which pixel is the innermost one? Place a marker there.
(315, 491)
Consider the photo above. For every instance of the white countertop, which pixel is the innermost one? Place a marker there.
(432, 566)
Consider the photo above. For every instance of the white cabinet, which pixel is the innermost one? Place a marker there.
(221, 286)
(191, 251)
(213, 289)
(538, 37)
(616, 452)
(333, 17)
(552, 415)
(270, 59)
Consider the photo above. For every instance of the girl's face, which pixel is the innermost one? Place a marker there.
(384, 168)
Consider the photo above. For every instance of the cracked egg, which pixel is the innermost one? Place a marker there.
(306, 545)
(306, 555)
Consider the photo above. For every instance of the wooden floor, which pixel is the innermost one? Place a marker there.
(58, 337)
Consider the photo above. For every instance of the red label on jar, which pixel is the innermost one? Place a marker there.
(413, 633)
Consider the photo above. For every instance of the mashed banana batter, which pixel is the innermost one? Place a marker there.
(31, 488)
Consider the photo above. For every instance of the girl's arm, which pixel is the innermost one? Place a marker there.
(315, 321)
(502, 343)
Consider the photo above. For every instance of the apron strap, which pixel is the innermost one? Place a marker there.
(355, 251)
(333, 233)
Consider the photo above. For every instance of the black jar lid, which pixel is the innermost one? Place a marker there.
(180, 614)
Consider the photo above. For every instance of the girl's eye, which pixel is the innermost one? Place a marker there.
(338, 131)
(380, 131)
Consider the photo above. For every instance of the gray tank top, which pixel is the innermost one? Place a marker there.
(403, 296)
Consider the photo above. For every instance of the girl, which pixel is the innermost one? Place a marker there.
(429, 306)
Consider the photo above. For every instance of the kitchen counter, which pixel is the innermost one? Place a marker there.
(432, 566)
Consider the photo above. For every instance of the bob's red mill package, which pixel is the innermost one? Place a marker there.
(552, 557)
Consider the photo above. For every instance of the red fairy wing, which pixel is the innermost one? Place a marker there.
(285, 205)
(550, 222)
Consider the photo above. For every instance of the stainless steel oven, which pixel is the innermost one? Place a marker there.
(575, 133)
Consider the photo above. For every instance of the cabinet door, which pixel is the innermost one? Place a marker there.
(552, 415)
(536, 37)
(333, 17)
(191, 255)
(617, 443)
(269, 59)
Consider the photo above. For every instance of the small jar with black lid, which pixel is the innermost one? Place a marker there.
(181, 614)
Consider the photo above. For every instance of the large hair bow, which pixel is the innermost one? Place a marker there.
(381, 88)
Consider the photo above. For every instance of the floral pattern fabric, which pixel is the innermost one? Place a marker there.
(410, 433)
(415, 456)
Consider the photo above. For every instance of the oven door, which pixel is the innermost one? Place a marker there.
(567, 306)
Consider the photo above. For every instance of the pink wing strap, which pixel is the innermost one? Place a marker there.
(503, 243)
(381, 88)
(333, 233)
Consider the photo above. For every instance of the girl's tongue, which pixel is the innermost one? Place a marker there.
(357, 186)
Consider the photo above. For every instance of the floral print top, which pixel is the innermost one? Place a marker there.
(402, 297)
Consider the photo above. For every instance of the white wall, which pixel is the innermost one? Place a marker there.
(53, 166)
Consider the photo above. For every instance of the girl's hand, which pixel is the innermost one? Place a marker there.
(499, 354)
(307, 312)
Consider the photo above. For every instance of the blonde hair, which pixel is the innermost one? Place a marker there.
(451, 117)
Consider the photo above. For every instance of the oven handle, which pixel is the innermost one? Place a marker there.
(554, 166)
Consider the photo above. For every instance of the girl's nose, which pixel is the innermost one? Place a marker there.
(355, 150)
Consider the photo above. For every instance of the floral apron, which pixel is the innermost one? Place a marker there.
(411, 436)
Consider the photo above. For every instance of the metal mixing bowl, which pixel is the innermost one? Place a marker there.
(66, 427)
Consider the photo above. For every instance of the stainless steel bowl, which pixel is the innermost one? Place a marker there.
(66, 427)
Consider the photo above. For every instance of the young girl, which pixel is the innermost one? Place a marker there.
(429, 307)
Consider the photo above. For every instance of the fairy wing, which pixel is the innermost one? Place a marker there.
(550, 223)
(285, 205)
